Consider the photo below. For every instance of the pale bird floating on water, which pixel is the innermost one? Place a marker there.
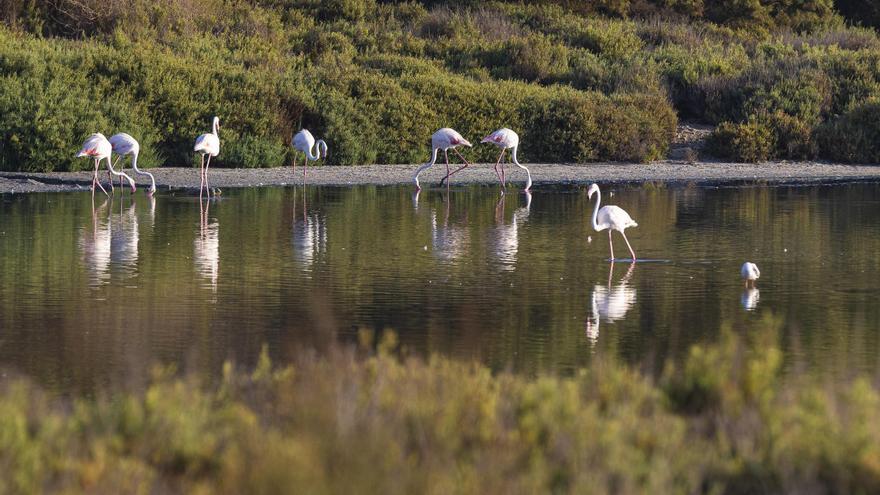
(750, 273)
(612, 218)
(207, 144)
(444, 139)
(303, 142)
(99, 148)
(506, 139)
(123, 144)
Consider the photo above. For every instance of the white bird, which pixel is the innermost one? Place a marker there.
(612, 218)
(444, 139)
(303, 141)
(207, 144)
(750, 273)
(506, 139)
(123, 144)
(98, 148)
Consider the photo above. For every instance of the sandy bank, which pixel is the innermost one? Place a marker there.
(542, 174)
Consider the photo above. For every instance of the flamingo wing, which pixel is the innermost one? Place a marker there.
(615, 217)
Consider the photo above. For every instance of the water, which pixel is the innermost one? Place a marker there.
(93, 294)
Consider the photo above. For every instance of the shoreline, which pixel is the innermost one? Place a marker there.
(703, 173)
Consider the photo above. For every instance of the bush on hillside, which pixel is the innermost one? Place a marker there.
(750, 141)
(853, 137)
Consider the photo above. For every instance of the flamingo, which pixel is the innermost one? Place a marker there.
(750, 273)
(98, 148)
(444, 139)
(612, 218)
(123, 144)
(506, 139)
(304, 141)
(207, 144)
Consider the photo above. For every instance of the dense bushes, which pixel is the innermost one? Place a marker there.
(727, 420)
(375, 79)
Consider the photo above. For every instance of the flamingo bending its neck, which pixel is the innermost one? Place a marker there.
(123, 144)
(207, 144)
(750, 273)
(506, 139)
(99, 148)
(444, 139)
(612, 218)
(304, 141)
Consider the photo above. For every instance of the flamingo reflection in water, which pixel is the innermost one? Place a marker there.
(206, 248)
(124, 237)
(309, 233)
(505, 242)
(448, 242)
(609, 303)
(95, 246)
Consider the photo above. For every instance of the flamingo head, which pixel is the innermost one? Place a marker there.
(152, 190)
(594, 188)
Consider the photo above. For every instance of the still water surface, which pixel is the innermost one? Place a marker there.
(96, 293)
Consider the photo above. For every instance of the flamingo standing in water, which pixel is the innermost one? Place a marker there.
(506, 139)
(444, 139)
(612, 218)
(304, 141)
(750, 273)
(99, 148)
(123, 144)
(207, 144)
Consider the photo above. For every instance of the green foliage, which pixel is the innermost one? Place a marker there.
(751, 141)
(375, 79)
(854, 136)
(727, 420)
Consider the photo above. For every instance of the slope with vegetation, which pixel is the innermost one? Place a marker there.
(580, 81)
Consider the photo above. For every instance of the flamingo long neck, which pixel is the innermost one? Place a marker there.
(596, 210)
(423, 167)
(215, 128)
(319, 144)
(134, 165)
(119, 174)
(516, 162)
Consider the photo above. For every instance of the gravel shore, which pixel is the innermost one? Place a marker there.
(542, 174)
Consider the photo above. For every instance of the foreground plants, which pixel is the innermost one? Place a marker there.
(726, 421)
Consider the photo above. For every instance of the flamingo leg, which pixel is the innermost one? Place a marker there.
(201, 174)
(294, 164)
(631, 252)
(498, 162)
(110, 176)
(96, 181)
(459, 169)
(610, 245)
(207, 164)
(446, 157)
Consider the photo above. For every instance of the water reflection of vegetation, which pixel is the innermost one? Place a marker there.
(726, 421)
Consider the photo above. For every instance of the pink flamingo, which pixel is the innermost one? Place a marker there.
(444, 139)
(207, 144)
(612, 218)
(304, 141)
(506, 139)
(123, 144)
(99, 148)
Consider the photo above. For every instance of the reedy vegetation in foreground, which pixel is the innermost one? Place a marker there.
(726, 421)
(580, 81)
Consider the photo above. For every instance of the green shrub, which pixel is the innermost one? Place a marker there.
(751, 141)
(854, 136)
